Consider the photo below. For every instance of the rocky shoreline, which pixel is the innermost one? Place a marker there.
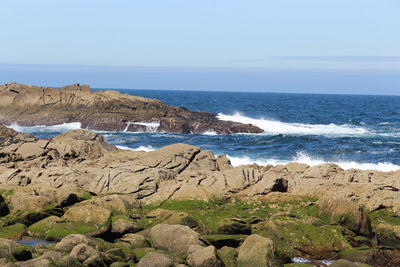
(183, 206)
(30, 105)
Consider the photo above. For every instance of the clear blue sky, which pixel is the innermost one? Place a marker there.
(342, 46)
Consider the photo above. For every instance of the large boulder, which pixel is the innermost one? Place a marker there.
(80, 144)
(257, 251)
(9, 136)
(345, 212)
(174, 238)
(90, 214)
(70, 241)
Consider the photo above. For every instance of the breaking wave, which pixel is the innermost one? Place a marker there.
(140, 148)
(278, 127)
(302, 157)
(43, 128)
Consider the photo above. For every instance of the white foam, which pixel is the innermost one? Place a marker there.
(278, 127)
(43, 128)
(302, 157)
(210, 132)
(140, 148)
(151, 127)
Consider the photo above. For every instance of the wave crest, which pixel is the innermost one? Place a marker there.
(278, 127)
(302, 157)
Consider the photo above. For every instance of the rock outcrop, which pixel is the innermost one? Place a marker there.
(30, 105)
(182, 205)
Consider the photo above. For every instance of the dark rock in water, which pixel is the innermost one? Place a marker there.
(104, 110)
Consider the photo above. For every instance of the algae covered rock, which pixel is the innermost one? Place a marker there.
(15, 231)
(234, 226)
(42, 227)
(388, 235)
(257, 251)
(228, 256)
(347, 213)
(295, 237)
(172, 217)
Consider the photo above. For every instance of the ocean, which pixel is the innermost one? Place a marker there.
(353, 131)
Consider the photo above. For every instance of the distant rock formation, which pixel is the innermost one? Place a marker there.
(30, 105)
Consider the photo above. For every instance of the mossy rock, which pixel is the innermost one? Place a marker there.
(115, 255)
(346, 263)
(129, 251)
(388, 235)
(25, 217)
(358, 255)
(293, 237)
(233, 226)
(228, 256)
(220, 241)
(172, 217)
(141, 252)
(60, 230)
(15, 231)
(41, 228)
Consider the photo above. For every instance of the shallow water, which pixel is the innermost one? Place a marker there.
(33, 243)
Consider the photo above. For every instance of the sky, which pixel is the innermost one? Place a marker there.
(303, 46)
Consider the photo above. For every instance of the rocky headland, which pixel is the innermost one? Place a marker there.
(183, 206)
(30, 105)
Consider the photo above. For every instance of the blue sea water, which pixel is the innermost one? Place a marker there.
(353, 131)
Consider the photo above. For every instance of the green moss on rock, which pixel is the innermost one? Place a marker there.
(15, 231)
(60, 230)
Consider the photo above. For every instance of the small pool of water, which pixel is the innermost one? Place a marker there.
(33, 243)
(316, 263)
